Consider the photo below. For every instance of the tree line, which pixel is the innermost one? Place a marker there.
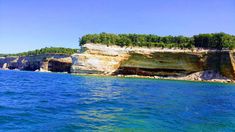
(47, 50)
(212, 40)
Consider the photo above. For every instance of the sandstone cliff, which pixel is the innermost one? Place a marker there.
(113, 60)
(43, 62)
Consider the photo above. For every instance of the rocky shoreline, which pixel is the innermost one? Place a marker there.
(187, 78)
(204, 76)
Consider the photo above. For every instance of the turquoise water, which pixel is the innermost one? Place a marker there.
(31, 101)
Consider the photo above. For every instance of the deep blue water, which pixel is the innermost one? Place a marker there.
(31, 101)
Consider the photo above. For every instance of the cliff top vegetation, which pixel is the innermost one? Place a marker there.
(208, 41)
(47, 50)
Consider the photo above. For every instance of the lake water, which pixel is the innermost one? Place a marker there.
(31, 101)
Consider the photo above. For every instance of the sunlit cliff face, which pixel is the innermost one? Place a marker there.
(101, 59)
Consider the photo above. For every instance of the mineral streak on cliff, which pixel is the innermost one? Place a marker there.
(113, 60)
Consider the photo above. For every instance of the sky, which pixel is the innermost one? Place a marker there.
(32, 24)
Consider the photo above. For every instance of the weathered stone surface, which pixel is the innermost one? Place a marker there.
(102, 59)
(227, 64)
(60, 65)
(163, 64)
(43, 62)
(9, 62)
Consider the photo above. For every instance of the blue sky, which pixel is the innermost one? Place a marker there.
(32, 24)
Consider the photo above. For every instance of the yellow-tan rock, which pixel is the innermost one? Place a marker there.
(102, 59)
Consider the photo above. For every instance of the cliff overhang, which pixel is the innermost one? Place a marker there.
(155, 62)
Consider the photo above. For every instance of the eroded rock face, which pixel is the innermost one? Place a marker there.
(57, 65)
(98, 60)
(44, 62)
(227, 64)
(102, 59)
(161, 64)
(8, 62)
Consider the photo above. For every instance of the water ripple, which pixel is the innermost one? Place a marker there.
(31, 101)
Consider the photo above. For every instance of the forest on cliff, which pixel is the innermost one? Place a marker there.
(208, 41)
(47, 50)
